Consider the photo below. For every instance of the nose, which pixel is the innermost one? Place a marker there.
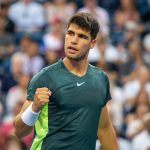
(74, 39)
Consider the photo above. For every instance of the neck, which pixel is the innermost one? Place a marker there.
(78, 68)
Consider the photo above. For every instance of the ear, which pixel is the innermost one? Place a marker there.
(93, 43)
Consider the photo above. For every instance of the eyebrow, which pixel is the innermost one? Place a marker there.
(79, 34)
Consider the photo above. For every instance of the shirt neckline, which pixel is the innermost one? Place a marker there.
(76, 76)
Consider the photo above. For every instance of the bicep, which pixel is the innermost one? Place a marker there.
(24, 107)
(104, 120)
(21, 129)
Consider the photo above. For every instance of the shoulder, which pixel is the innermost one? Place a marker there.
(98, 71)
(48, 71)
(53, 68)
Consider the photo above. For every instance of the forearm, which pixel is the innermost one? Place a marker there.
(21, 129)
(108, 139)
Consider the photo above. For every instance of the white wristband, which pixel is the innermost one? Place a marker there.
(29, 117)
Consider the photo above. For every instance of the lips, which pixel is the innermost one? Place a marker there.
(72, 48)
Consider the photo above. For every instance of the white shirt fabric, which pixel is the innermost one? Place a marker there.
(134, 126)
(94, 55)
(32, 65)
(132, 88)
(28, 18)
(52, 43)
(115, 110)
(124, 144)
(111, 54)
(14, 95)
(141, 141)
(118, 94)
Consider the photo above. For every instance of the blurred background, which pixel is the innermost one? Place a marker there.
(32, 37)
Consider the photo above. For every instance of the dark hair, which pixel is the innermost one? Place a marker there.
(87, 22)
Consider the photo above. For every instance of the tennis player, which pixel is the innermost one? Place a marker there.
(66, 101)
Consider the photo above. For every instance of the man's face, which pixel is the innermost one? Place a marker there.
(77, 43)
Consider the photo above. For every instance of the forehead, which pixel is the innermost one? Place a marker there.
(77, 29)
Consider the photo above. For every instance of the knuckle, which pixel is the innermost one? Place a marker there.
(38, 89)
(47, 96)
(46, 89)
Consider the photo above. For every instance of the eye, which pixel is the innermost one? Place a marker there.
(83, 36)
(70, 33)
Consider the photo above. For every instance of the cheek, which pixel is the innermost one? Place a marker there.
(67, 40)
(84, 46)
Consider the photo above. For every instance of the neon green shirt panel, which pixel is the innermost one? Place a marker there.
(41, 129)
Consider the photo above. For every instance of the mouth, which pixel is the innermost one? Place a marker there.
(72, 49)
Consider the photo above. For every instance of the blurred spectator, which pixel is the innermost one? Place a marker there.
(133, 87)
(33, 62)
(115, 110)
(17, 93)
(24, 43)
(94, 55)
(146, 45)
(7, 47)
(135, 124)
(110, 5)
(142, 140)
(108, 53)
(9, 24)
(59, 9)
(124, 34)
(79, 3)
(10, 79)
(91, 6)
(6, 38)
(135, 120)
(115, 106)
(124, 144)
(134, 59)
(1, 113)
(144, 9)
(51, 57)
(14, 143)
(126, 12)
(131, 31)
(7, 130)
(53, 39)
(27, 15)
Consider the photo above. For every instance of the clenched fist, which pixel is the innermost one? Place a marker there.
(41, 98)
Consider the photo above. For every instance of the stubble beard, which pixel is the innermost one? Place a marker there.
(78, 58)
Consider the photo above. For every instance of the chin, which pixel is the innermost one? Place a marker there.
(75, 58)
(71, 57)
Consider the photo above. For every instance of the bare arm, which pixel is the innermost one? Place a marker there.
(106, 133)
(21, 129)
(40, 99)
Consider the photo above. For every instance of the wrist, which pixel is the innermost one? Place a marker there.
(29, 117)
(35, 108)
